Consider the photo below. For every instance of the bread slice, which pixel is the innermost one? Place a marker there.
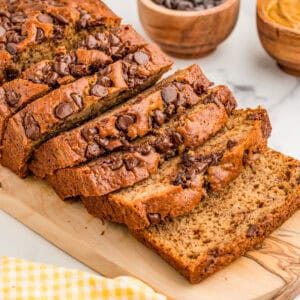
(32, 30)
(181, 183)
(86, 59)
(124, 168)
(72, 104)
(226, 225)
(116, 128)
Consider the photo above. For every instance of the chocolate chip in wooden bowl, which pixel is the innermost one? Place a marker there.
(124, 121)
(12, 98)
(32, 128)
(189, 5)
(45, 18)
(63, 110)
(169, 94)
(154, 218)
(131, 163)
(99, 91)
(77, 98)
(141, 57)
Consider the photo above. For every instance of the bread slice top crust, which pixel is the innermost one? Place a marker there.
(74, 103)
(32, 30)
(227, 224)
(116, 128)
(180, 183)
(189, 128)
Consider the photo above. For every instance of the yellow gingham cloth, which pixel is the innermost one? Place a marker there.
(24, 280)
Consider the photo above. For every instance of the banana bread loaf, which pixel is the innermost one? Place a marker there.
(124, 168)
(31, 30)
(181, 183)
(74, 103)
(228, 224)
(47, 75)
(116, 128)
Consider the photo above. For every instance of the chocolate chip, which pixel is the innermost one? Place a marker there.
(104, 142)
(163, 144)
(169, 94)
(77, 99)
(105, 81)
(252, 231)
(32, 128)
(131, 163)
(12, 98)
(12, 48)
(231, 144)
(116, 163)
(91, 42)
(89, 133)
(2, 31)
(245, 157)
(188, 160)
(99, 91)
(40, 35)
(58, 32)
(114, 40)
(93, 150)
(159, 117)
(141, 58)
(61, 68)
(79, 70)
(63, 110)
(51, 78)
(61, 19)
(124, 121)
(145, 149)
(83, 22)
(154, 218)
(298, 180)
(44, 18)
(4, 13)
(18, 17)
(105, 71)
(11, 73)
(177, 138)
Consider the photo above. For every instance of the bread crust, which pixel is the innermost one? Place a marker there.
(73, 103)
(209, 263)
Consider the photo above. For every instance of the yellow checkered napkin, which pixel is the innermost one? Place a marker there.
(23, 280)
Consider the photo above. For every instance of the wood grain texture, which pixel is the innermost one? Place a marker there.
(188, 34)
(111, 251)
(281, 43)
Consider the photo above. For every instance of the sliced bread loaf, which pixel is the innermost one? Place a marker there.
(74, 103)
(116, 128)
(226, 225)
(94, 53)
(31, 31)
(142, 157)
(181, 183)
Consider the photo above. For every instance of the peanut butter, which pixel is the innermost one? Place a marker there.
(284, 12)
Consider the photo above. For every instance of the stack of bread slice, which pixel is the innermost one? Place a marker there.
(187, 172)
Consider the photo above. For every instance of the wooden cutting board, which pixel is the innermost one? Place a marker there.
(270, 273)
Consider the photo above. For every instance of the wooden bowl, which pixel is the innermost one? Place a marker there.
(188, 33)
(281, 43)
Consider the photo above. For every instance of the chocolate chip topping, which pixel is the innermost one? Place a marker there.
(103, 142)
(124, 121)
(79, 70)
(141, 57)
(61, 19)
(61, 68)
(231, 144)
(298, 180)
(63, 110)
(163, 144)
(93, 150)
(105, 81)
(44, 18)
(154, 218)
(177, 139)
(145, 149)
(116, 163)
(77, 99)
(2, 31)
(169, 94)
(252, 231)
(12, 98)
(91, 42)
(159, 117)
(99, 91)
(12, 48)
(40, 35)
(51, 78)
(32, 128)
(131, 163)
(11, 73)
(89, 133)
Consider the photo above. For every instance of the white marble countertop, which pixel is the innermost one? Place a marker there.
(239, 62)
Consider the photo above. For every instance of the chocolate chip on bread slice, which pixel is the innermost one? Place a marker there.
(86, 59)
(189, 129)
(74, 103)
(31, 31)
(121, 125)
(182, 182)
(226, 225)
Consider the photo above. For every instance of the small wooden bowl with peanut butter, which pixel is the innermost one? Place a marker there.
(278, 24)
